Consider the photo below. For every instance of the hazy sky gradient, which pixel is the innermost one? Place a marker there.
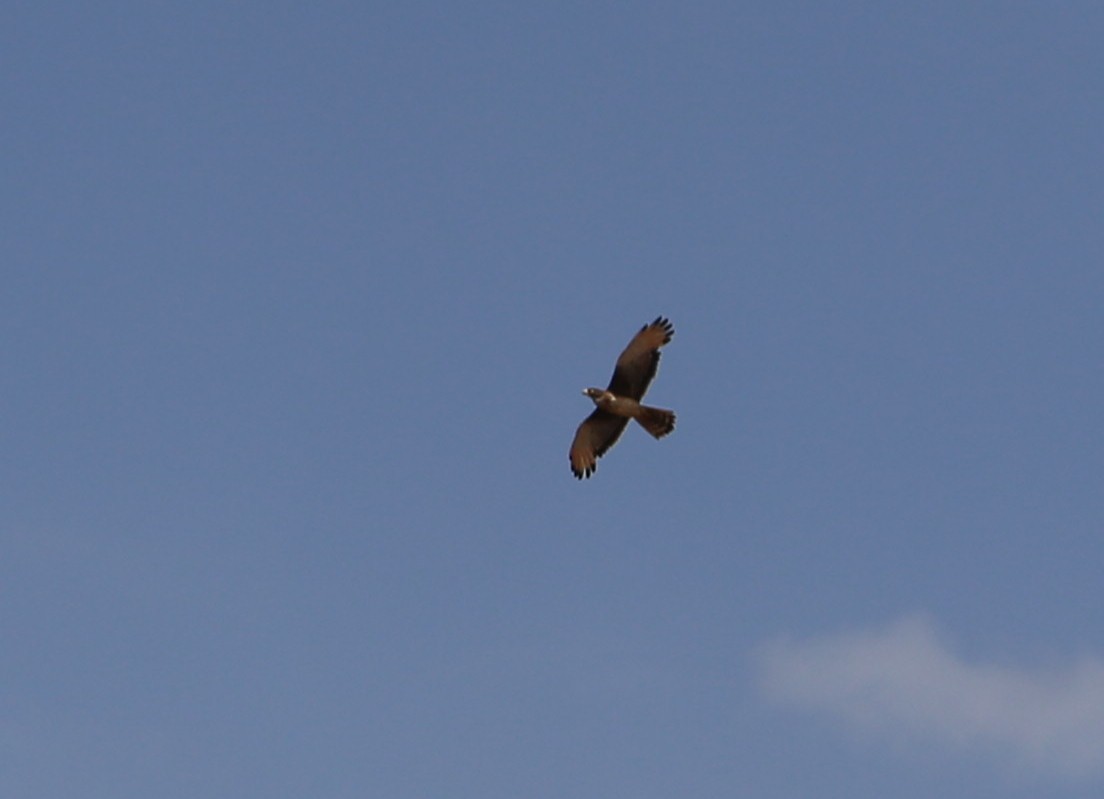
(905, 680)
(298, 302)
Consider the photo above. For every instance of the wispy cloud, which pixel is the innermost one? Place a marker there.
(906, 679)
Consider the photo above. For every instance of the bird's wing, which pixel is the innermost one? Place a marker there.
(638, 363)
(595, 435)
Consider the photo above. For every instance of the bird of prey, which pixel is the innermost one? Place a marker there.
(621, 400)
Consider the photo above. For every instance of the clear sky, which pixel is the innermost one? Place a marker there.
(297, 303)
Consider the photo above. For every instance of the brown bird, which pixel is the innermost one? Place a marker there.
(621, 400)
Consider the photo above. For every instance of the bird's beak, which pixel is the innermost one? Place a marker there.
(584, 392)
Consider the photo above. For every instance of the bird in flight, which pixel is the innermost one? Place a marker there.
(621, 400)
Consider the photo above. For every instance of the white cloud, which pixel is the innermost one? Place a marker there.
(905, 679)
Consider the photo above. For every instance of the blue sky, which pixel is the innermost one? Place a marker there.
(298, 302)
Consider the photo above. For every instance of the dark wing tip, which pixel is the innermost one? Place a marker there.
(586, 471)
(665, 324)
(661, 322)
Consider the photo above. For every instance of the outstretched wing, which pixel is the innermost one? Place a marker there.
(595, 435)
(638, 363)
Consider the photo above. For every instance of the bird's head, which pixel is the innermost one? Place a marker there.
(593, 393)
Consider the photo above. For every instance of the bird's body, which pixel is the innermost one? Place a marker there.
(611, 403)
(620, 402)
(657, 421)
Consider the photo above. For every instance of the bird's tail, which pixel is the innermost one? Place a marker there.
(656, 421)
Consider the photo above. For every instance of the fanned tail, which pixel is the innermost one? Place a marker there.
(656, 421)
